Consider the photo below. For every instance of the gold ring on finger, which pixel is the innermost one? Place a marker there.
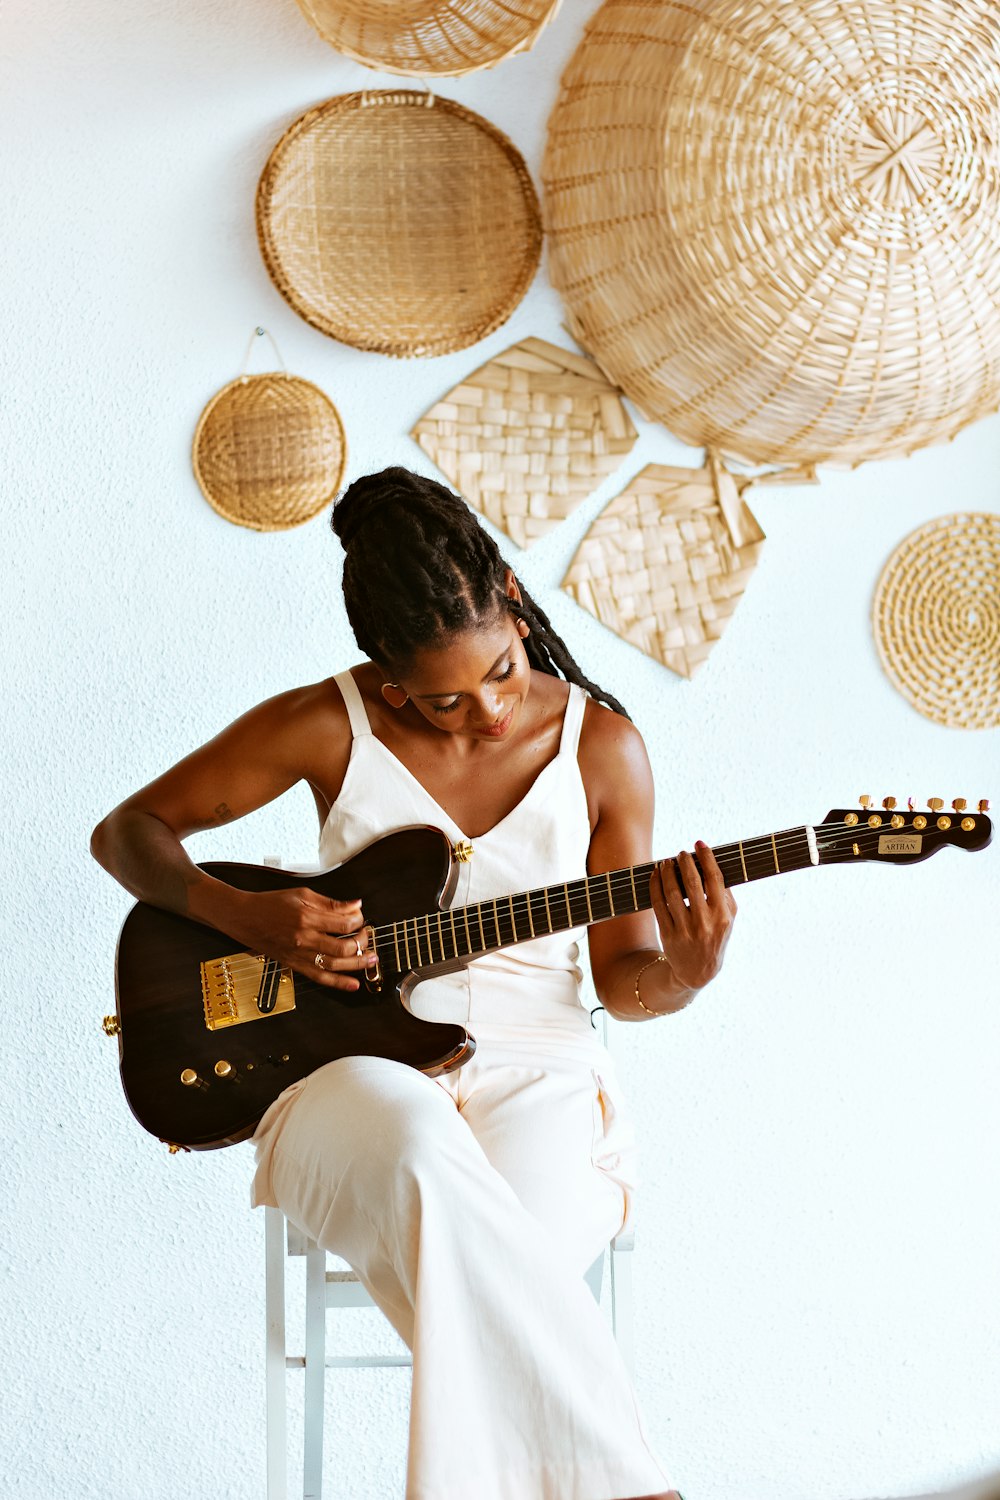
(319, 961)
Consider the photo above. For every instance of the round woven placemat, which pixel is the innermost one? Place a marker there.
(269, 451)
(936, 616)
(774, 224)
(429, 37)
(399, 223)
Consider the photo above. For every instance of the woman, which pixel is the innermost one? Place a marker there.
(471, 1204)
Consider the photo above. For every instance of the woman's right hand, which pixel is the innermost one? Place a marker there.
(298, 926)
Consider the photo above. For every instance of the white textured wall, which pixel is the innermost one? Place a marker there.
(817, 1253)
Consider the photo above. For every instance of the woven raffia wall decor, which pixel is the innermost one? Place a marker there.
(666, 563)
(527, 436)
(430, 37)
(936, 616)
(399, 223)
(775, 224)
(269, 451)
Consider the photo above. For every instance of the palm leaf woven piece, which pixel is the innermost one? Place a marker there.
(269, 451)
(936, 617)
(666, 563)
(774, 225)
(398, 222)
(527, 436)
(430, 37)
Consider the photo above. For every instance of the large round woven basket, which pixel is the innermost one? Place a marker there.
(936, 616)
(775, 224)
(269, 451)
(430, 37)
(399, 223)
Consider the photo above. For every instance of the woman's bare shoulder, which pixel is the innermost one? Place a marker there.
(614, 762)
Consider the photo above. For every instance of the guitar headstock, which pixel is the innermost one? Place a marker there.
(900, 837)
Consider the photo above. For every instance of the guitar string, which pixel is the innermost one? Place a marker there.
(621, 883)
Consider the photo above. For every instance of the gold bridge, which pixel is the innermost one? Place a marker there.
(244, 987)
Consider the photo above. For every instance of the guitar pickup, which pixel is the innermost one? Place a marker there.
(244, 987)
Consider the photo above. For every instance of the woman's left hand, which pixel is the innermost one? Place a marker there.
(694, 933)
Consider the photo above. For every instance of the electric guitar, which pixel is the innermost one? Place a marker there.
(208, 1037)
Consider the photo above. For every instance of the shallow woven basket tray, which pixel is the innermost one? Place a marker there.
(666, 563)
(774, 225)
(399, 223)
(269, 451)
(528, 436)
(430, 37)
(936, 617)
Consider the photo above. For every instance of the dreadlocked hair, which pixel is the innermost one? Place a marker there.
(419, 568)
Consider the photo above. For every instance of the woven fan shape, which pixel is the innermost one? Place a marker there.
(775, 224)
(269, 451)
(660, 567)
(527, 436)
(936, 616)
(399, 223)
(429, 37)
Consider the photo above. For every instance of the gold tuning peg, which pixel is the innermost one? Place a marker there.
(888, 803)
(984, 805)
(935, 803)
(866, 802)
(959, 804)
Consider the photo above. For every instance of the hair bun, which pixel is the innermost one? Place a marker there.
(368, 497)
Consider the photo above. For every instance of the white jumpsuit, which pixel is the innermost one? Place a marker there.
(472, 1204)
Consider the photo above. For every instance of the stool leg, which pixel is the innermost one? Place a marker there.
(275, 1384)
(312, 1471)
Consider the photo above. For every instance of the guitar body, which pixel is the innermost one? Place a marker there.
(164, 963)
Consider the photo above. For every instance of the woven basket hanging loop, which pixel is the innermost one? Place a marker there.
(260, 333)
(443, 38)
(774, 224)
(269, 449)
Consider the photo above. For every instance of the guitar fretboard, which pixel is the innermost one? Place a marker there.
(463, 932)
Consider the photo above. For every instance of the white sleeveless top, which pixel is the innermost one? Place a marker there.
(527, 995)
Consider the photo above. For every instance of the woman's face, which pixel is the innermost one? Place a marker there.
(474, 685)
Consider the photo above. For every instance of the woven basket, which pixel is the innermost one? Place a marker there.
(269, 451)
(528, 436)
(399, 223)
(774, 224)
(429, 37)
(936, 616)
(666, 563)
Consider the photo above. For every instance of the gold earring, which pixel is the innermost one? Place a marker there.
(395, 688)
(523, 629)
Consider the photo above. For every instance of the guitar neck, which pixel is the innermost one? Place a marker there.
(470, 931)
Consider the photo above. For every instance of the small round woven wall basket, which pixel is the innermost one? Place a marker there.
(269, 451)
(429, 37)
(936, 616)
(399, 223)
(774, 224)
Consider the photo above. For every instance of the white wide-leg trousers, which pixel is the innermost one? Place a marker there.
(470, 1207)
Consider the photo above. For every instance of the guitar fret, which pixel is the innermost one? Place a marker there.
(569, 914)
(548, 913)
(774, 851)
(586, 892)
(427, 936)
(531, 921)
(482, 934)
(454, 935)
(416, 941)
(513, 924)
(631, 876)
(441, 937)
(496, 921)
(611, 899)
(395, 940)
(743, 862)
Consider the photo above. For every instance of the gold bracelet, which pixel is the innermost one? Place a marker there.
(660, 958)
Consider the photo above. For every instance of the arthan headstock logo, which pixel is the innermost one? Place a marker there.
(900, 843)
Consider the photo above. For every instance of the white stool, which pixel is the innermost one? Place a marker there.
(326, 1289)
